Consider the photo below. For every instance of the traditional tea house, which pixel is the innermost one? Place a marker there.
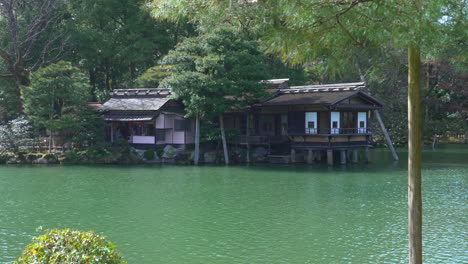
(146, 117)
(312, 119)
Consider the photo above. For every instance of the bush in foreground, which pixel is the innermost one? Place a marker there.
(69, 246)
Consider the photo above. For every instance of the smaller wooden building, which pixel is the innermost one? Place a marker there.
(316, 119)
(147, 116)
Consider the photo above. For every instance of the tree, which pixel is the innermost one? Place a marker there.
(56, 94)
(215, 72)
(28, 41)
(302, 31)
(115, 41)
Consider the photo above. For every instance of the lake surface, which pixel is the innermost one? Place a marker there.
(244, 214)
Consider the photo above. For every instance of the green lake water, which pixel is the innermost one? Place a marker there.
(244, 214)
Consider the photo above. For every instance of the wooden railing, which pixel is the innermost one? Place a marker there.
(329, 131)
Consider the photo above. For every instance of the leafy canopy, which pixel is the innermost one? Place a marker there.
(56, 92)
(217, 71)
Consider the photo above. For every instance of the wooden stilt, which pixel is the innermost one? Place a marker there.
(366, 154)
(355, 156)
(293, 155)
(343, 157)
(247, 135)
(329, 156)
(319, 155)
(310, 157)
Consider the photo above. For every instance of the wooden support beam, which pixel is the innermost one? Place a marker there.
(355, 156)
(366, 154)
(247, 135)
(330, 156)
(343, 157)
(293, 155)
(310, 157)
(387, 136)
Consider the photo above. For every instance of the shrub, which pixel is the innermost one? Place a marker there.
(149, 155)
(72, 157)
(69, 246)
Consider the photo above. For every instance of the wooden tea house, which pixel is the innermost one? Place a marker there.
(146, 116)
(313, 121)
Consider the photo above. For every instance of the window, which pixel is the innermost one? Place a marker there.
(182, 125)
(335, 124)
(311, 124)
(362, 124)
(160, 134)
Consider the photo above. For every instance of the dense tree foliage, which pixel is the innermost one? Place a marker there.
(216, 72)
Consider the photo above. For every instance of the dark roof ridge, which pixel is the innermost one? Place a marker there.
(335, 87)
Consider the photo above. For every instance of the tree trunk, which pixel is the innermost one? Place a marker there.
(387, 136)
(223, 138)
(414, 155)
(196, 154)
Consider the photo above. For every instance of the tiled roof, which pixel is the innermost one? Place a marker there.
(325, 94)
(134, 104)
(141, 92)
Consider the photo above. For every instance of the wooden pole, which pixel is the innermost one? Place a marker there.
(293, 155)
(196, 154)
(414, 155)
(223, 138)
(330, 156)
(247, 135)
(310, 157)
(387, 136)
(355, 156)
(343, 157)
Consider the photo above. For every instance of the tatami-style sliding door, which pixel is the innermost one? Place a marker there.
(311, 122)
(335, 122)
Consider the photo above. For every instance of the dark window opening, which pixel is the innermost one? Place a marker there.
(160, 134)
(362, 124)
(181, 125)
(335, 124)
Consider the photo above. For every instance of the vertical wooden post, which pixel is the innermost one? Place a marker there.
(330, 156)
(112, 132)
(319, 155)
(355, 156)
(310, 157)
(366, 154)
(196, 154)
(414, 155)
(247, 135)
(343, 157)
(223, 139)
(293, 155)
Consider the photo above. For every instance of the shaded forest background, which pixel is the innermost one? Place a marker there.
(119, 44)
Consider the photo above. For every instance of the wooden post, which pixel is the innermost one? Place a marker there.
(293, 155)
(196, 154)
(112, 132)
(414, 155)
(247, 135)
(310, 157)
(330, 156)
(366, 154)
(319, 155)
(223, 139)
(355, 156)
(387, 137)
(343, 157)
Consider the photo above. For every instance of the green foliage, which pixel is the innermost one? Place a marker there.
(215, 72)
(153, 76)
(87, 127)
(14, 133)
(69, 246)
(8, 99)
(149, 155)
(55, 95)
(117, 40)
